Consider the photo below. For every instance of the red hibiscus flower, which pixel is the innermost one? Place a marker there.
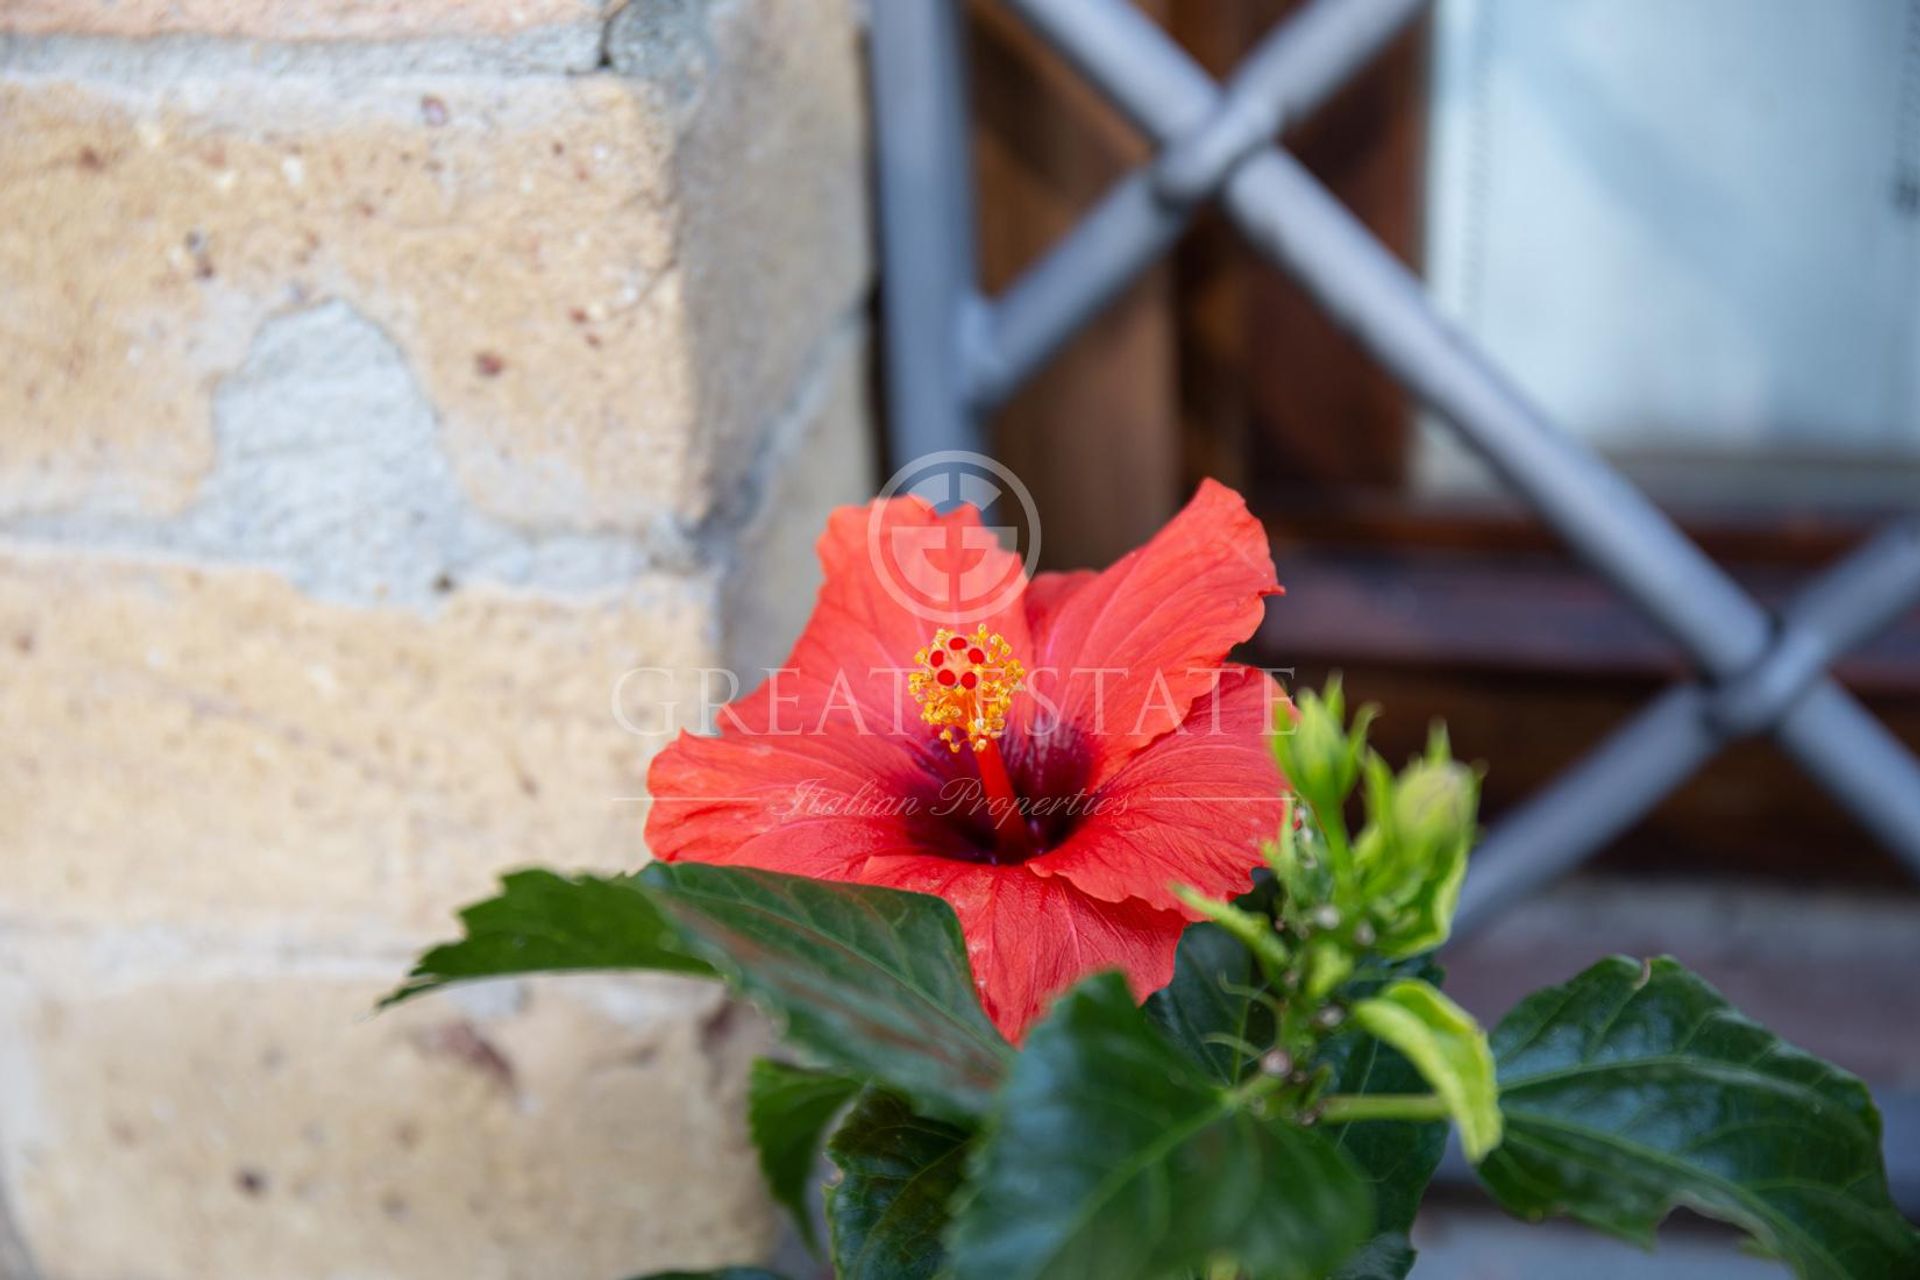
(1050, 768)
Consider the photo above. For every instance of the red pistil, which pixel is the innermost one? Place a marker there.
(1015, 842)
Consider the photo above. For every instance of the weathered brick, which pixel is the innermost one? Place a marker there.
(368, 413)
(196, 742)
(821, 460)
(211, 746)
(202, 1115)
(310, 20)
(606, 285)
(228, 810)
(770, 178)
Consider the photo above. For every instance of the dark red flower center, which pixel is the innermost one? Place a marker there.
(965, 687)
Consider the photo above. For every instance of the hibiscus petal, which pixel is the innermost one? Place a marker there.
(1193, 808)
(1048, 592)
(1124, 656)
(895, 572)
(1030, 938)
(813, 804)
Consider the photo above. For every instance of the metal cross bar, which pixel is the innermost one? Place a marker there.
(926, 217)
(1290, 218)
(1287, 216)
(1293, 70)
(1640, 763)
(1299, 65)
(1841, 610)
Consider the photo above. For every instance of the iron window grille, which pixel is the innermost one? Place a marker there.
(953, 355)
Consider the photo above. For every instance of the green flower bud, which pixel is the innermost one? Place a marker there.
(1319, 754)
(1413, 854)
(1434, 803)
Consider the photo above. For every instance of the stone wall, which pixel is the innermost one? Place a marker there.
(382, 379)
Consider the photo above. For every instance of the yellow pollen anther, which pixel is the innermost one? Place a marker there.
(965, 685)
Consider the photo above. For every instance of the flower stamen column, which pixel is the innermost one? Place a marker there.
(964, 686)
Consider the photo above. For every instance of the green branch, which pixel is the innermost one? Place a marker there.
(1344, 1108)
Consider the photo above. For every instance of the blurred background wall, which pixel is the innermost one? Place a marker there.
(381, 380)
(1689, 230)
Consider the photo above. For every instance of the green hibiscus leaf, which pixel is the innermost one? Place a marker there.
(543, 923)
(1390, 1255)
(873, 982)
(898, 1175)
(1205, 1011)
(1446, 1044)
(1111, 1154)
(1635, 1088)
(1398, 1156)
(788, 1111)
(724, 1273)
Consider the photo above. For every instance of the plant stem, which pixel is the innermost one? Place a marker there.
(1254, 1087)
(1341, 1108)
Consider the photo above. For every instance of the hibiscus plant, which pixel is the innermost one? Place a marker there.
(1095, 958)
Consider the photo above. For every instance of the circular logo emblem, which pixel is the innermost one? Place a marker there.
(948, 573)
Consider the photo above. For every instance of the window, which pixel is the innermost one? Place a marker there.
(1692, 236)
